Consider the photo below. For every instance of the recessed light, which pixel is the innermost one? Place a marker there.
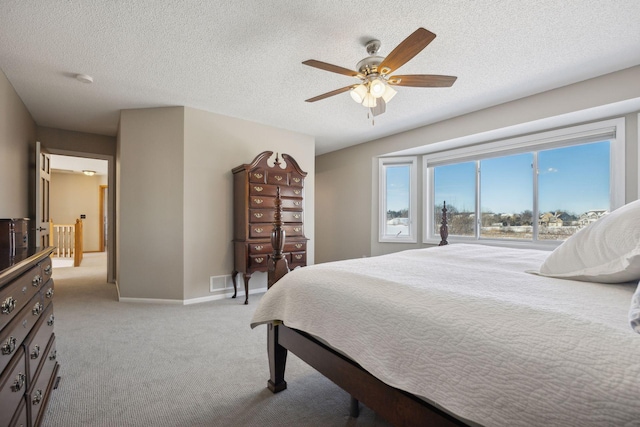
(84, 78)
(88, 172)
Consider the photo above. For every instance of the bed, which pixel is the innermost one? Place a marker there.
(468, 334)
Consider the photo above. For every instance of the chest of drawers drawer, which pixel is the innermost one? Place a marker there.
(13, 384)
(39, 391)
(12, 336)
(17, 294)
(36, 343)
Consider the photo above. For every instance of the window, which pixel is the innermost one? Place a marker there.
(398, 199)
(538, 189)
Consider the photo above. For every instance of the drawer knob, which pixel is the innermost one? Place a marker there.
(9, 346)
(258, 247)
(50, 321)
(8, 305)
(49, 293)
(298, 256)
(297, 203)
(259, 230)
(296, 179)
(53, 355)
(259, 260)
(258, 201)
(258, 189)
(297, 229)
(37, 309)
(258, 214)
(36, 280)
(297, 191)
(47, 270)
(298, 245)
(296, 216)
(36, 352)
(258, 175)
(278, 178)
(18, 383)
(37, 397)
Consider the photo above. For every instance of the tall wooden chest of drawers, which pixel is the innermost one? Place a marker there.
(28, 365)
(254, 186)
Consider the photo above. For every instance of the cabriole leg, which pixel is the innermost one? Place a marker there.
(246, 288)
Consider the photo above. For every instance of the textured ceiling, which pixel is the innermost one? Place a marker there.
(242, 58)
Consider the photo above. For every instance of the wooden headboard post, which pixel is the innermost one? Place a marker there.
(444, 228)
(277, 265)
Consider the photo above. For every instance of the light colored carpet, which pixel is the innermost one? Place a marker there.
(137, 364)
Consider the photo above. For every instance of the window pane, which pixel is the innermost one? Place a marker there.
(506, 197)
(455, 185)
(573, 188)
(398, 192)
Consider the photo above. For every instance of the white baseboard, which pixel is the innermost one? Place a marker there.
(188, 301)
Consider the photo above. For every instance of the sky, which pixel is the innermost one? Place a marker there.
(570, 179)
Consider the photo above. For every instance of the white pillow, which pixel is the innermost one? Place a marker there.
(607, 250)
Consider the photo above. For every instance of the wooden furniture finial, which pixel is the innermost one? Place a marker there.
(444, 228)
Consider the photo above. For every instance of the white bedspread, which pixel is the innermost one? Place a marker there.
(466, 327)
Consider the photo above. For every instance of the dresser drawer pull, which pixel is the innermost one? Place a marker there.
(36, 352)
(298, 245)
(298, 256)
(37, 397)
(50, 321)
(297, 229)
(297, 216)
(258, 201)
(278, 178)
(296, 179)
(9, 346)
(53, 355)
(37, 309)
(36, 280)
(297, 191)
(258, 230)
(258, 214)
(47, 270)
(18, 383)
(258, 175)
(297, 203)
(259, 260)
(258, 247)
(49, 293)
(258, 189)
(8, 305)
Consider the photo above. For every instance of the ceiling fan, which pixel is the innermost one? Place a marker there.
(374, 72)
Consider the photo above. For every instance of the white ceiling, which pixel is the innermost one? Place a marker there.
(242, 58)
(71, 164)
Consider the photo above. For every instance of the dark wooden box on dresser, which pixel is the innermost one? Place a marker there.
(28, 365)
(254, 190)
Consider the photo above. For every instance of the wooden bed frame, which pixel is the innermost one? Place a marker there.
(396, 406)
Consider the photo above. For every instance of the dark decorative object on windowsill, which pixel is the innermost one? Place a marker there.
(444, 229)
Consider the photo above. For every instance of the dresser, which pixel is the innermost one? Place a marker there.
(28, 362)
(254, 190)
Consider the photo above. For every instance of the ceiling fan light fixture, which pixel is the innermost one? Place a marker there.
(389, 93)
(369, 101)
(377, 88)
(358, 93)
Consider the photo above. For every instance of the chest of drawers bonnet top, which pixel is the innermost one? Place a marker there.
(28, 360)
(255, 185)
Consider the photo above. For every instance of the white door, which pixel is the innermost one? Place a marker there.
(43, 179)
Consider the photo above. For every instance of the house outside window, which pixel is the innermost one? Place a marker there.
(533, 190)
(398, 199)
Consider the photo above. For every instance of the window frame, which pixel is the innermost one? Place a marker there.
(383, 163)
(612, 130)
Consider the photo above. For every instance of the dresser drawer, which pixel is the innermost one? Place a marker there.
(20, 417)
(278, 178)
(12, 336)
(291, 204)
(47, 293)
(260, 230)
(260, 248)
(293, 230)
(295, 246)
(39, 391)
(258, 261)
(262, 202)
(258, 175)
(47, 269)
(36, 343)
(13, 385)
(16, 295)
(296, 180)
(266, 216)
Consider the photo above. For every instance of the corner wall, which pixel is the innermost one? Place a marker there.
(346, 179)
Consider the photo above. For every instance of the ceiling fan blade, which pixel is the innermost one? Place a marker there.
(330, 67)
(422, 80)
(328, 94)
(406, 50)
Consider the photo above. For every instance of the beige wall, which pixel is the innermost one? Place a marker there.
(348, 177)
(175, 197)
(150, 186)
(17, 137)
(214, 145)
(73, 195)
